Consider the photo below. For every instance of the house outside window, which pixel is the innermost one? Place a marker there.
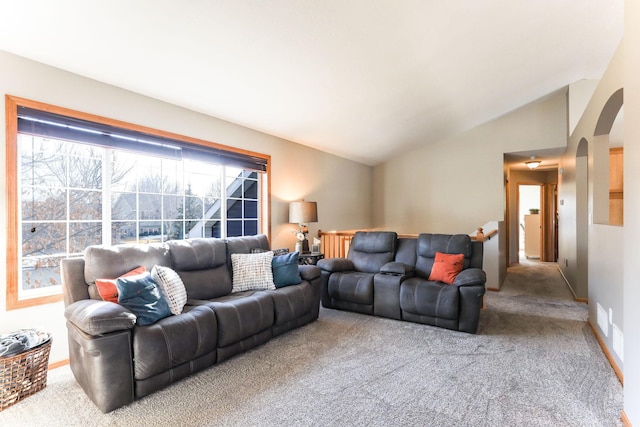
(71, 192)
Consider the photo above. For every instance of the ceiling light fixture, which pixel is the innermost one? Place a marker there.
(532, 164)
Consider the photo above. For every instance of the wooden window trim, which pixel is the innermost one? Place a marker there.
(11, 115)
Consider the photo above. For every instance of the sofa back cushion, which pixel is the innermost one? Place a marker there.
(202, 265)
(429, 244)
(406, 252)
(111, 262)
(370, 250)
(246, 244)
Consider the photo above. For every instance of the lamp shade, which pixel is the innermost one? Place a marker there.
(303, 212)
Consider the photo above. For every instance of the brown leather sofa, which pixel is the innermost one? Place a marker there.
(116, 361)
(387, 276)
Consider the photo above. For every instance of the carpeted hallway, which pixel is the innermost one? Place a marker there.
(534, 362)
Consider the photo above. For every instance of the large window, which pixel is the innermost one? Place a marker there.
(81, 182)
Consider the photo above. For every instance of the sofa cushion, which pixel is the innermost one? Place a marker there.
(354, 287)
(429, 244)
(107, 287)
(113, 261)
(141, 295)
(252, 271)
(292, 302)
(446, 267)
(285, 270)
(426, 298)
(242, 314)
(370, 250)
(174, 340)
(202, 266)
(171, 286)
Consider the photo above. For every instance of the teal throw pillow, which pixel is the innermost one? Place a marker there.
(285, 270)
(141, 295)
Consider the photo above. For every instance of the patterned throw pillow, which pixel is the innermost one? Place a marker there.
(171, 286)
(252, 271)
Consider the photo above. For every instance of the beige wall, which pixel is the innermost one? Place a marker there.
(631, 274)
(593, 252)
(342, 188)
(457, 185)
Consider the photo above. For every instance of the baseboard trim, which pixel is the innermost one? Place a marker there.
(493, 289)
(575, 297)
(625, 419)
(58, 364)
(612, 362)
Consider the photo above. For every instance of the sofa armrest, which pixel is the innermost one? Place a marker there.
(309, 272)
(334, 265)
(397, 269)
(95, 317)
(470, 276)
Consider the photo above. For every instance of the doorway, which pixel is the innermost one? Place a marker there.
(529, 221)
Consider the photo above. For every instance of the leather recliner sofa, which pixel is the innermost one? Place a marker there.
(116, 361)
(387, 276)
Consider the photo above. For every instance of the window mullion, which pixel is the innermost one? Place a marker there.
(107, 158)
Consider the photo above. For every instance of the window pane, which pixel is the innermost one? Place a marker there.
(40, 273)
(85, 172)
(250, 228)
(123, 232)
(149, 206)
(172, 207)
(42, 161)
(194, 229)
(234, 189)
(172, 177)
(174, 230)
(123, 206)
(123, 172)
(250, 209)
(234, 228)
(250, 189)
(44, 204)
(149, 175)
(234, 208)
(212, 229)
(83, 234)
(193, 208)
(85, 205)
(150, 231)
(212, 208)
(43, 238)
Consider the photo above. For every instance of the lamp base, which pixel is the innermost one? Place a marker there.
(305, 246)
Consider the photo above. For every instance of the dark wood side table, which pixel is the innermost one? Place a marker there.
(310, 258)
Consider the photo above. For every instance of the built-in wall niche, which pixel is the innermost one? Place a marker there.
(607, 165)
(616, 186)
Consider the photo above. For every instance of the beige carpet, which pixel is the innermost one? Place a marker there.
(534, 362)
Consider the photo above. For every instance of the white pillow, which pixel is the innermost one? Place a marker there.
(252, 271)
(171, 286)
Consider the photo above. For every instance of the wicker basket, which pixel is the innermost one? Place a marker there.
(23, 374)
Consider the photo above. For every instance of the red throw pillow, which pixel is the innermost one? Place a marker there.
(446, 267)
(107, 287)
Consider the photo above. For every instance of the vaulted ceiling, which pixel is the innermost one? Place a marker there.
(361, 79)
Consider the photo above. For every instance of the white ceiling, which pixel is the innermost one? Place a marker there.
(361, 79)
